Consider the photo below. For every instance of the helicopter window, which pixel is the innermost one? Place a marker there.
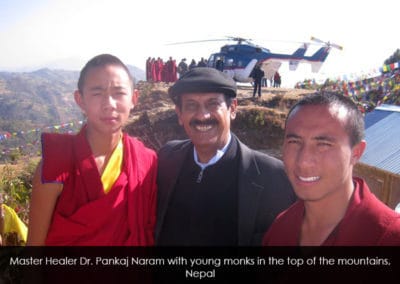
(258, 49)
(211, 61)
(229, 62)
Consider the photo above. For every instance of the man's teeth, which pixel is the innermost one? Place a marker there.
(309, 179)
(203, 127)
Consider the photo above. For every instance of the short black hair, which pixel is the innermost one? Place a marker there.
(100, 61)
(355, 120)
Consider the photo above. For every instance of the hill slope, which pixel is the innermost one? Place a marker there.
(39, 98)
(35, 99)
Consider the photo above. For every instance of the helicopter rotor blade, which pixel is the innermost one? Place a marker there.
(240, 39)
(327, 43)
(195, 41)
(337, 46)
(317, 40)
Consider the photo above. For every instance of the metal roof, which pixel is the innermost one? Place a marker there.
(379, 113)
(382, 134)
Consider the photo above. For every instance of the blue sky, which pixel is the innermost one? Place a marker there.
(37, 33)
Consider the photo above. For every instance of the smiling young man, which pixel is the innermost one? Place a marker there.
(323, 142)
(212, 189)
(98, 187)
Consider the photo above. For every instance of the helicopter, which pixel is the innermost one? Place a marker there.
(239, 59)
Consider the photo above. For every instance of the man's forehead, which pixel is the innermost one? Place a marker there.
(121, 86)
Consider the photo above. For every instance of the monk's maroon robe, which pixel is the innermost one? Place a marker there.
(84, 213)
(367, 222)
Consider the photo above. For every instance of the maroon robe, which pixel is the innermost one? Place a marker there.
(84, 213)
(367, 222)
(159, 66)
(153, 64)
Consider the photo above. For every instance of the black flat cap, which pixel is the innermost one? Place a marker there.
(203, 80)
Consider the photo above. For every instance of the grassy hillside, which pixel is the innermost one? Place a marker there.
(30, 101)
(36, 99)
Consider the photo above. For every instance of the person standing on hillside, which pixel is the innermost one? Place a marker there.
(213, 189)
(202, 63)
(170, 70)
(324, 139)
(257, 74)
(159, 68)
(277, 80)
(193, 64)
(182, 67)
(97, 187)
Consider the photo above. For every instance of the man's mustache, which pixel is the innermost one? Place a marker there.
(196, 122)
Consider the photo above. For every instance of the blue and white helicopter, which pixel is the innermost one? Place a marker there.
(238, 60)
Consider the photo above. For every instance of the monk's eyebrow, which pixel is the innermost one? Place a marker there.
(317, 138)
(96, 88)
(100, 88)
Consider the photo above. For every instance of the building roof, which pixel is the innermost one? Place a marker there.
(382, 134)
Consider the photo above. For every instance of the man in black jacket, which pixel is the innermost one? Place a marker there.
(257, 74)
(212, 189)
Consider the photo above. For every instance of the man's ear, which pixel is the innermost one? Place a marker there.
(233, 108)
(358, 151)
(178, 113)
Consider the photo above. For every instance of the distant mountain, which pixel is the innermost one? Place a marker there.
(69, 64)
(36, 99)
(42, 97)
(137, 73)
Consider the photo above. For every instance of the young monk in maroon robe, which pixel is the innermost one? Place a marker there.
(324, 139)
(97, 187)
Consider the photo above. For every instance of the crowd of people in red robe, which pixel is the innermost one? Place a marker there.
(159, 71)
